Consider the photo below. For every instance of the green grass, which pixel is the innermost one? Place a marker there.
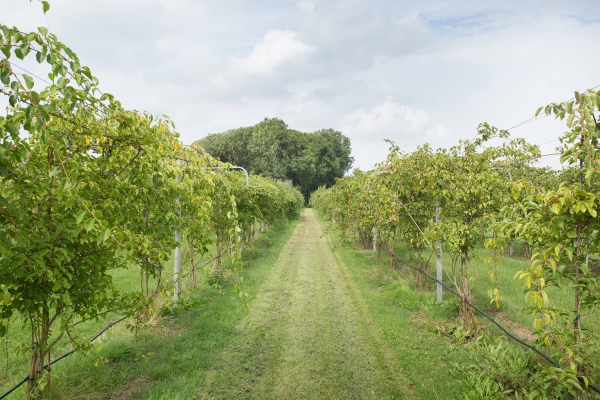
(313, 335)
(167, 360)
(205, 348)
(399, 300)
(14, 362)
(406, 317)
(513, 304)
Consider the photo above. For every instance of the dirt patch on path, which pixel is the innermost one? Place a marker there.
(516, 329)
(313, 336)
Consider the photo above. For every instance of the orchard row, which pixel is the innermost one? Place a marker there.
(492, 195)
(89, 187)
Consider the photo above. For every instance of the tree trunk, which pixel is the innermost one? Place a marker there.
(39, 355)
(465, 313)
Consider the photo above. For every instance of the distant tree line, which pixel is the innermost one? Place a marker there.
(273, 150)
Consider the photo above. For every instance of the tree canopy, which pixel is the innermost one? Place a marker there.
(270, 148)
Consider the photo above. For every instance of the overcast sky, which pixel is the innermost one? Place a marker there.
(409, 71)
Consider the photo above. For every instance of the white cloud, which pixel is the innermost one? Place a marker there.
(388, 119)
(438, 132)
(276, 47)
(307, 5)
(411, 71)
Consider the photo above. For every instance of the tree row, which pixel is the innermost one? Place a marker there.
(489, 195)
(89, 187)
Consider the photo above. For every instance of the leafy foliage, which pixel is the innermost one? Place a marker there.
(482, 190)
(93, 187)
(562, 226)
(498, 370)
(270, 148)
(400, 200)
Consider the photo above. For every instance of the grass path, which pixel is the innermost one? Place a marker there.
(311, 337)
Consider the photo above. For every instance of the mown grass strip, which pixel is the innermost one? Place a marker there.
(170, 359)
(407, 318)
(313, 338)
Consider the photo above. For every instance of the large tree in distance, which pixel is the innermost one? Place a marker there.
(270, 148)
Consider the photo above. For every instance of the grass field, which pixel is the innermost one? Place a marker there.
(405, 317)
(14, 360)
(331, 321)
(313, 336)
(146, 364)
(511, 310)
(507, 360)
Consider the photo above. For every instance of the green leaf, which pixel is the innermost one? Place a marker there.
(54, 171)
(585, 380)
(5, 76)
(61, 69)
(43, 112)
(6, 51)
(105, 235)
(46, 6)
(51, 58)
(19, 54)
(35, 98)
(39, 56)
(29, 112)
(80, 216)
(42, 29)
(28, 81)
(569, 252)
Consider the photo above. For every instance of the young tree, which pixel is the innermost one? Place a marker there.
(562, 227)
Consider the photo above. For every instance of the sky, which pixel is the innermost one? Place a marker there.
(414, 72)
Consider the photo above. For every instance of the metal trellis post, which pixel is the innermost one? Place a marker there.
(177, 255)
(438, 261)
